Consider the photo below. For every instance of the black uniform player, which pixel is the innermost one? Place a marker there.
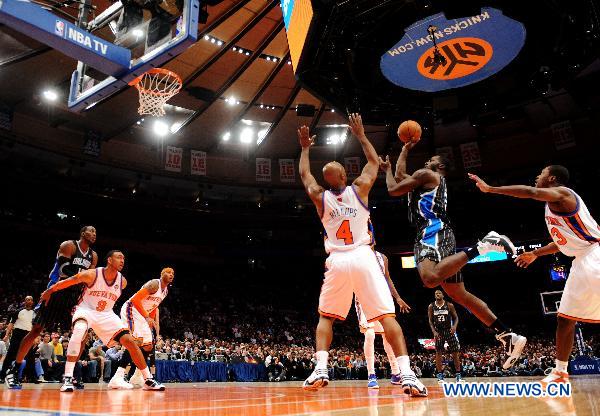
(435, 246)
(73, 256)
(443, 321)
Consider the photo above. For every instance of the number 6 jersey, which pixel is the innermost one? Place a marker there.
(346, 221)
(573, 232)
(101, 296)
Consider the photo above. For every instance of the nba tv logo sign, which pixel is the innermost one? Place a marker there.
(59, 28)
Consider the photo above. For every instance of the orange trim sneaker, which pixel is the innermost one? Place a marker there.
(555, 376)
(318, 379)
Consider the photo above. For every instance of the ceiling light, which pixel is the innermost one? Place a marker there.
(289, 62)
(240, 50)
(333, 139)
(234, 49)
(219, 42)
(274, 59)
(161, 128)
(50, 95)
(226, 137)
(213, 40)
(138, 122)
(333, 110)
(261, 106)
(231, 100)
(248, 53)
(138, 33)
(206, 37)
(268, 58)
(246, 135)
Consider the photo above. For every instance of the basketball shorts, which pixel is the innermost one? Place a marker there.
(435, 244)
(58, 312)
(580, 300)
(445, 337)
(362, 320)
(355, 272)
(107, 325)
(137, 324)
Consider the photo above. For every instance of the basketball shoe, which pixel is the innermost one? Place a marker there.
(12, 378)
(151, 384)
(396, 379)
(118, 382)
(319, 378)
(137, 380)
(67, 386)
(555, 376)
(373, 382)
(412, 385)
(494, 242)
(513, 344)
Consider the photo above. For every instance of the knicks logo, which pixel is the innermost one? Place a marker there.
(462, 57)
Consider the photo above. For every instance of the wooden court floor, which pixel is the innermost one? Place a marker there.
(280, 399)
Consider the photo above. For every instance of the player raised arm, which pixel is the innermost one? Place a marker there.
(404, 308)
(148, 289)
(401, 162)
(87, 277)
(420, 178)
(525, 259)
(367, 178)
(313, 189)
(554, 194)
(430, 315)
(454, 316)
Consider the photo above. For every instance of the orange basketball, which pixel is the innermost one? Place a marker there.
(409, 131)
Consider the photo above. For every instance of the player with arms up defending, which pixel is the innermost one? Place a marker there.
(103, 287)
(575, 234)
(352, 266)
(141, 315)
(437, 261)
(369, 329)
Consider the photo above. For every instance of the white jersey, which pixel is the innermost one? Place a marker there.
(346, 221)
(151, 302)
(101, 296)
(573, 232)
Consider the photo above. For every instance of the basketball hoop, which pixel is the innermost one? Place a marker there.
(156, 87)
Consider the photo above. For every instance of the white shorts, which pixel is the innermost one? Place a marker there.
(355, 272)
(106, 324)
(580, 300)
(138, 326)
(362, 320)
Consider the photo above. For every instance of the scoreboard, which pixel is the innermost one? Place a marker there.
(297, 16)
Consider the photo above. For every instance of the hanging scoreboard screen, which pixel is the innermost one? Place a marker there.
(297, 16)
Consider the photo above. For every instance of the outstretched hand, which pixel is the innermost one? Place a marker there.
(384, 165)
(404, 308)
(304, 137)
(525, 259)
(480, 183)
(356, 125)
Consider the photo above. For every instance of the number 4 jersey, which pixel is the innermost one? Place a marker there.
(573, 232)
(346, 221)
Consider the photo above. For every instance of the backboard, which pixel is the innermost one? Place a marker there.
(112, 46)
(551, 302)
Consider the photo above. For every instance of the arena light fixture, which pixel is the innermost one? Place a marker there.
(226, 136)
(138, 33)
(160, 128)
(50, 95)
(232, 100)
(246, 135)
(175, 127)
(261, 135)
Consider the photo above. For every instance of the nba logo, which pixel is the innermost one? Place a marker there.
(59, 28)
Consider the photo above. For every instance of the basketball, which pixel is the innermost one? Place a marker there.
(409, 131)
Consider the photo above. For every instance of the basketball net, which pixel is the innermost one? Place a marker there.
(156, 87)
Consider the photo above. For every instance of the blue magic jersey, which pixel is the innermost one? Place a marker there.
(428, 211)
(79, 262)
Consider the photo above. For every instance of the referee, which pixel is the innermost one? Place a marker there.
(443, 321)
(19, 325)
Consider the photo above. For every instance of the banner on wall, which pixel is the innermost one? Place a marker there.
(263, 169)
(287, 171)
(173, 159)
(563, 135)
(92, 143)
(198, 162)
(352, 165)
(470, 155)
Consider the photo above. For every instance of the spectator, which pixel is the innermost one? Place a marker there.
(47, 358)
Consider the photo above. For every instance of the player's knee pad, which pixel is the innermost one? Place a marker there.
(80, 328)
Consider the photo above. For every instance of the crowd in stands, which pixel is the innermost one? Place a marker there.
(237, 330)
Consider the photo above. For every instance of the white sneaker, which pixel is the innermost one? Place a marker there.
(137, 380)
(119, 383)
(67, 386)
(413, 386)
(151, 384)
(494, 242)
(319, 378)
(514, 344)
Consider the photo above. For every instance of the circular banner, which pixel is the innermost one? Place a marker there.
(470, 49)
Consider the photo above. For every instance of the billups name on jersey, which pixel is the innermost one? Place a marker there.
(343, 212)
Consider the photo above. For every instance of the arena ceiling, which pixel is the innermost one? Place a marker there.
(225, 90)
